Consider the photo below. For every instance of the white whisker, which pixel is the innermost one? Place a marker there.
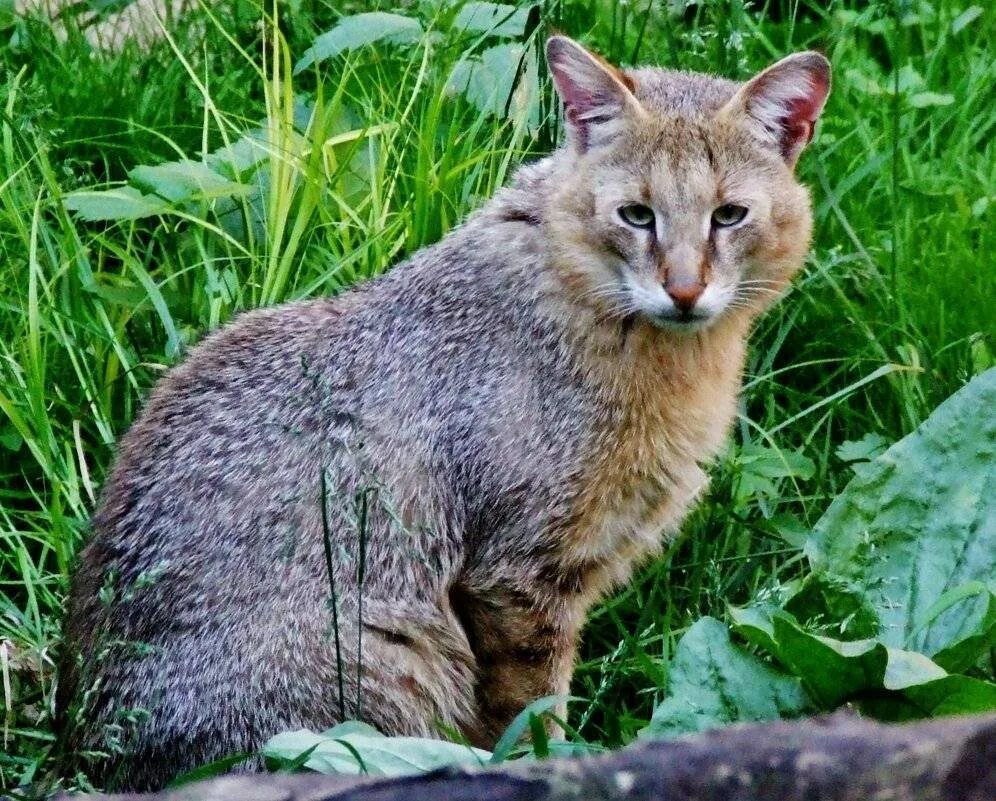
(751, 281)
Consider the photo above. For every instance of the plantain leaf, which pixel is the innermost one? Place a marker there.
(889, 683)
(501, 81)
(833, 606)
(494, 19)
(359, 30)
(354, 747)
(713, 682)
(903, 588)
(917, 526)
(121, 203)
(184, 180)
(868, 447)
(927, 99)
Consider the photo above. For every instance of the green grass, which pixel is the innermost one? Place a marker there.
(892, 314)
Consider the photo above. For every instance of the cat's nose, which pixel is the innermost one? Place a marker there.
(684, 295)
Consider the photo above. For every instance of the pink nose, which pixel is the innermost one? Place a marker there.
(684, 295)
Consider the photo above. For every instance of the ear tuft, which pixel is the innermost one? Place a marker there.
(596, 95)
(784, 102)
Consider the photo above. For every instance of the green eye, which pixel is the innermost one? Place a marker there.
(637, 215)
(728, 214)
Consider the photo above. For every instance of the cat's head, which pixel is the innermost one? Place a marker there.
(679, 204)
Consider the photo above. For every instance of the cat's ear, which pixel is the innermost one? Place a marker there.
(783, 103)
(598, 97)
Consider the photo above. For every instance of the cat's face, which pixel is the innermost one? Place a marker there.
(682, 205)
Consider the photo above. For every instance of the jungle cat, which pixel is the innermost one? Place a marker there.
(467, 452)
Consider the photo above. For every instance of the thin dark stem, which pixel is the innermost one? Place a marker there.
(361, 520)
(327, 539)
(643, 29)
(896, 107)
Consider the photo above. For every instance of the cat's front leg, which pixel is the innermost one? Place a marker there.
(524, 650)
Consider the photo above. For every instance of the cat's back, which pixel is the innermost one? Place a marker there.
(221, 436)
(252, 411)
(238, 391)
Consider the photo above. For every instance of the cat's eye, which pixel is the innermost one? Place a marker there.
(637, 215)
(728, 214)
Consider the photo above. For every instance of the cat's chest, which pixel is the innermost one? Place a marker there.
(644, 472)
(636, 497)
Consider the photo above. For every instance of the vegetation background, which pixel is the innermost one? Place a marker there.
(238, 181)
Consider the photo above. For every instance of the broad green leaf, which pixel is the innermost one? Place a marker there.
(185, 180)
(927, 99)
(496, 19)
(353, 748)
(762, 467)
(949, 695)
(753, 623)
(907, 669)
(831, 670)
(868, 447)
(964, 653)
(121, 294)
(774, 462)
(713, 682)
(789, 528)
(833, 606)
(952, 695)
(359, 30)
(489, 79)
(918, 522)
(351, 727)
(242, 155)
(896, 684)
(122, 203)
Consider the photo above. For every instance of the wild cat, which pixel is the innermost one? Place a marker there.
(465, 454)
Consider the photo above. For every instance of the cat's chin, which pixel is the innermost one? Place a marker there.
(681, 325)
